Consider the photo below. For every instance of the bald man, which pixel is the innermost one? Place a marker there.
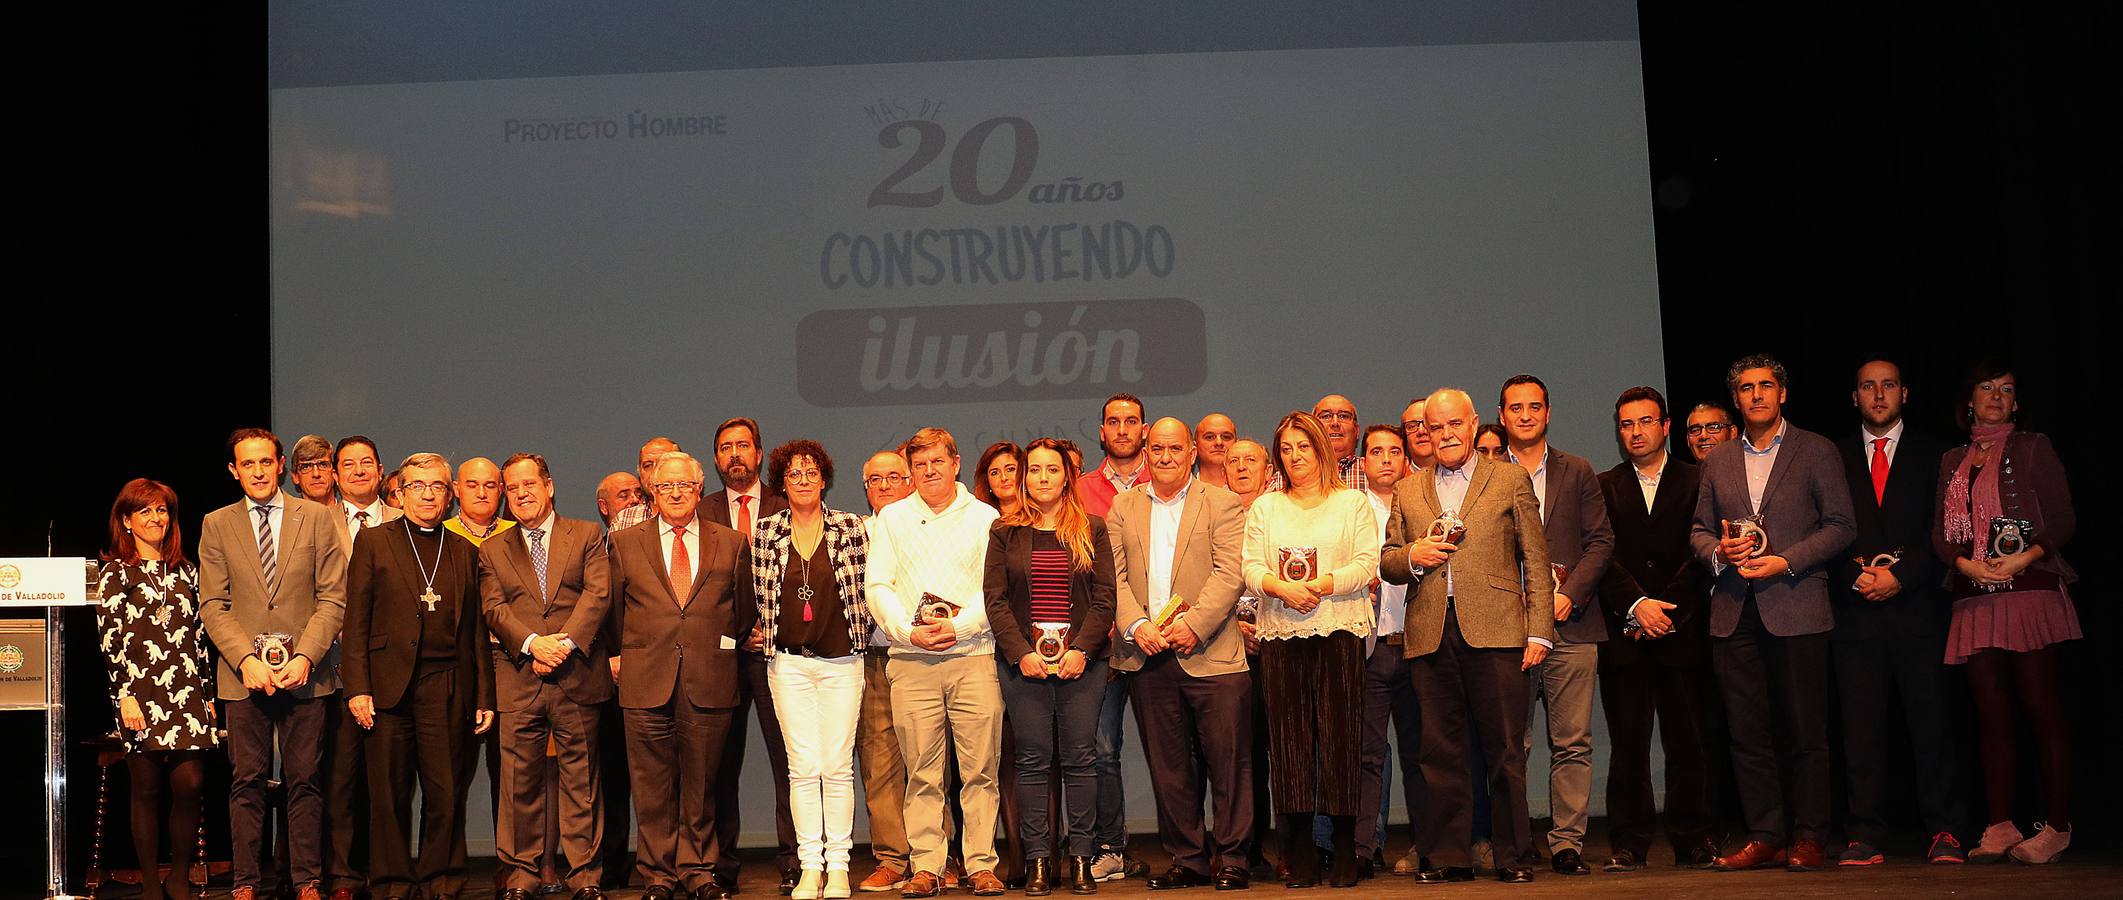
(1213, 437)
(618, 491)
(478, 492)
(1338, 415)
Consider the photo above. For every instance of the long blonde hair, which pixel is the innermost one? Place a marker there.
(1072, 525)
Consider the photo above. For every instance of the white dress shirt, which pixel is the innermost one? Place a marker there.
(1649, 484)
(1894, 442)
(1392, 598)
(1540, 479)
(353, 524)
(730, 498)
(1163, 546)
(663, 534)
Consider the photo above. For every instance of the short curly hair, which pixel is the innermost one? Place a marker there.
(779, 460)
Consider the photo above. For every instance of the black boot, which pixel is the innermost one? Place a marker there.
(1299, 855)
(1039, 877)
(1081, 881)
(1343, 875)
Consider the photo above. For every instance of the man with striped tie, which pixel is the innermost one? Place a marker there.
(272, 593)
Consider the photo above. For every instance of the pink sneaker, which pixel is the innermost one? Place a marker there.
(2047, 844)
(1998, 840)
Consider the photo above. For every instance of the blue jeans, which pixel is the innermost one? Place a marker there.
(1054, 723)
(1111, 830)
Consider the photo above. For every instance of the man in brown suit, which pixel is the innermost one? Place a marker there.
(1181, 537)
(1473, 627)
(417, 678)
(678, 587)
(545, 582)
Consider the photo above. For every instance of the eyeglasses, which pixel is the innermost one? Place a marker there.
(1415, 426)
(425, 488)
(675, 487)
(314, 465)
(1707, 428)
(803, 476)
(1647, 422)
(892, 479)
(1334, 414)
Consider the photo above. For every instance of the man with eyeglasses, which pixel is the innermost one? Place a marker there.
(1708, 426)
(682, 605)
(928, 557)
(310, 462)
(1421, 452)
(1654, 663)
(885, 481)
(356, 471)
(1580, 542)
(419, 681)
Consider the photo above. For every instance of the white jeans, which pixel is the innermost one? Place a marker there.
(818, 701)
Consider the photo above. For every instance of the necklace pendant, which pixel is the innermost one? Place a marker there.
(804, 594)
(431, 598)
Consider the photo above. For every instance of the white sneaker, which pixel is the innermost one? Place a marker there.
(1998, 840)
(810, 886)
(2047, 844)
(1108, 866)
(837, 885)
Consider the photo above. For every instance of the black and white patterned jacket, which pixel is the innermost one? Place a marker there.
(847, 545)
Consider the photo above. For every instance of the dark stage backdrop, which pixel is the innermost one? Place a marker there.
(1826, 179)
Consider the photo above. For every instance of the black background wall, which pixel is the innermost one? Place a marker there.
(1830, 179)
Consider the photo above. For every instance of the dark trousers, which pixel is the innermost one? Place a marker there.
(346, 781)
(1776, 694)
(674, 751)
(753, 690)
(1196, 730)
(520, 825)
(1869, 675)
(1458, 689)
(618, 810)
(1632, 695)
(1111, 828)
(1263, 801)
(1389, 698)
(1314, 688)
(298, 724)
(1055, 725)
(426, 737)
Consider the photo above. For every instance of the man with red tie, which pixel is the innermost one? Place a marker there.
(680, 608)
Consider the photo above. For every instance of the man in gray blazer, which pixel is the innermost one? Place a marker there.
(1181, 538)
(1580, 542)
(1773, 512)
(272, 592)
(1475, 626)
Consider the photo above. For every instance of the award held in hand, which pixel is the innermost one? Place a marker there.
(1447, 527)
(2009, 537)
(1878, 561)
(1170, 612)
(934, 609)
(1297, 564)
(1248, 609)
(275, 649)
(1749, 527)
(1051, 641)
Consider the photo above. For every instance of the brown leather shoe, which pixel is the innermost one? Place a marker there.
(1806, 856)
(985, 884)
(1755, 855)
(923, 884)
(954, 873)
(309, 892)
(882, 879)
(243, 892)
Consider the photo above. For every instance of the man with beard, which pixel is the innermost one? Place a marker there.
(740, 503)
(1120, 435)
(1213, 437)
(418, 680)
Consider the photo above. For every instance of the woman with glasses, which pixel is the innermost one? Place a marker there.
(996, 479)
(155, 644)
(807, 578)
(1050, 602)
(1311, 554)
(2004, 515)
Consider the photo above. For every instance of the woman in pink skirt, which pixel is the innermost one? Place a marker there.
(2004, 512)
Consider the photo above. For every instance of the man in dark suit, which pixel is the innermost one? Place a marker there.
(1475, 626)
(418, 680)
(741, 502)
(1890, 632)
(272, 593)
(680, 608)
(1181, 538)
(1772, 515)
(1580, 543)
(1656, 658)
(546, 587)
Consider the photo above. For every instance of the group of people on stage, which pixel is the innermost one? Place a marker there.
(1273, 610)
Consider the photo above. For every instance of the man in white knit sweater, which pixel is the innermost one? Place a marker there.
(927, 557)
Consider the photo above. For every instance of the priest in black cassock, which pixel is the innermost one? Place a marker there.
(415, 647)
